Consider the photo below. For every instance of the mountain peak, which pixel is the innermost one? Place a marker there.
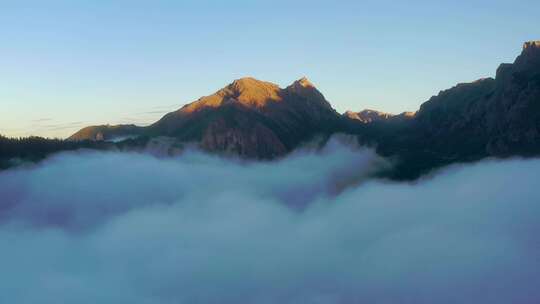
(248, 83)
(304, 88)
(251, 91)
(531, 49)
(531, 44)
(528, 60)
(304, 82)
(247, 91)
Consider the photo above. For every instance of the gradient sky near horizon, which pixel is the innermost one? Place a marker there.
(69, 64)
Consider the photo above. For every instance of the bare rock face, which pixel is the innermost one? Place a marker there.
(246, 141)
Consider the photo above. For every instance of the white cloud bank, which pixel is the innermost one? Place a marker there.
(131, 228)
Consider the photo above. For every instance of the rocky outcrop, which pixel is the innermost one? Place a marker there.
(252, 139)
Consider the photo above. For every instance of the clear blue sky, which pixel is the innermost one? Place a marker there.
(67, 64)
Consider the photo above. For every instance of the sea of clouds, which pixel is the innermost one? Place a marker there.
(315, 227)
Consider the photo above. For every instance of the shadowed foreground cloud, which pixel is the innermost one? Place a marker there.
(131, 228)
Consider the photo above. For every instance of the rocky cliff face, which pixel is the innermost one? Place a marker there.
(498, 116)
(513, 112)
(489, 117)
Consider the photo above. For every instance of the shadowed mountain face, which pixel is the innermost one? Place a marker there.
(257, 119)
(489, 117)
(502, 114)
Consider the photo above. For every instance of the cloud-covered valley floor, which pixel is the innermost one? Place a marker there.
(109, 227)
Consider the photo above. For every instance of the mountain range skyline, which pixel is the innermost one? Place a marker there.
(259, 120)
(63, 70)
(254, 119)
(52, 128)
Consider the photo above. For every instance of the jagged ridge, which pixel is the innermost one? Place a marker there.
(252, 118)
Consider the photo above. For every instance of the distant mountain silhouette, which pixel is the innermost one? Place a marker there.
(369, 116)
(106, 132)
(256, 119)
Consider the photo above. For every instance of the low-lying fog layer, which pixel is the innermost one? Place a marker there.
(91, 227)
